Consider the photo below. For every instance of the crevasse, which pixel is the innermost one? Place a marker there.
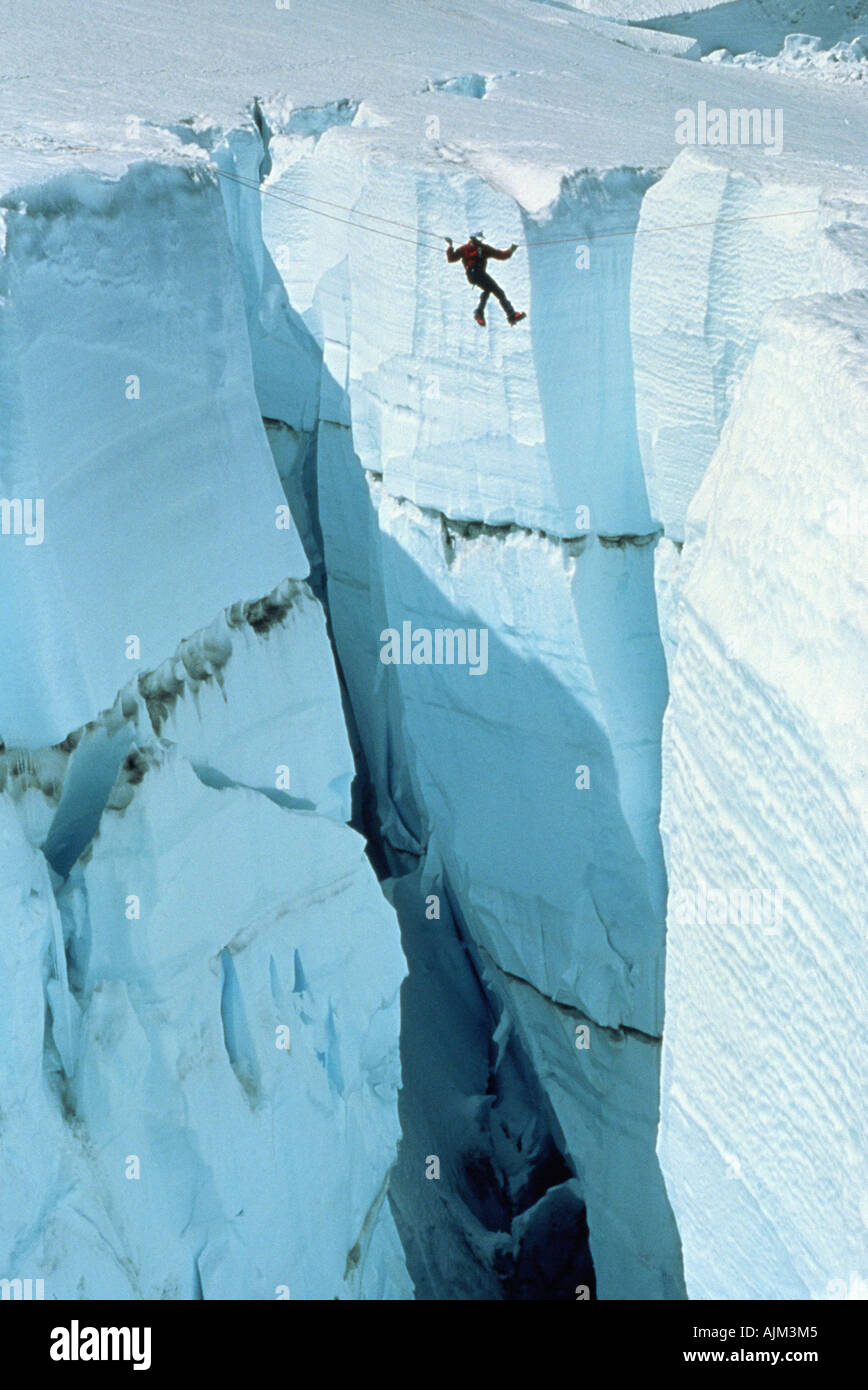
(509, 496)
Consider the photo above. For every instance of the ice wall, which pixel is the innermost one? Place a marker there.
(126, 387)
(197, 1026)
(184, 1015)
(200, 982)
(716, 247)
(226, 1008)
(501, 1215)
(750, 398)
(764, 825)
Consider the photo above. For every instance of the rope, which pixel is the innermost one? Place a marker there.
(374, 217)
(438, 236)
(268, 192)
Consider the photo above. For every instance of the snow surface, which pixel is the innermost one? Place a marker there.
(600, 489)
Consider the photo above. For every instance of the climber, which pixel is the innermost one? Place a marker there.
(473, 254)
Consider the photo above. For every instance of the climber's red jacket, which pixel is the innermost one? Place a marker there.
(474, 254)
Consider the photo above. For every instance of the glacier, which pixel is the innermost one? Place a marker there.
(332, 977)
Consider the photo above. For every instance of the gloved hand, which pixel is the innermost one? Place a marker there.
(513, 247)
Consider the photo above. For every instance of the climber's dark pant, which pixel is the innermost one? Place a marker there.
(483, 281)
